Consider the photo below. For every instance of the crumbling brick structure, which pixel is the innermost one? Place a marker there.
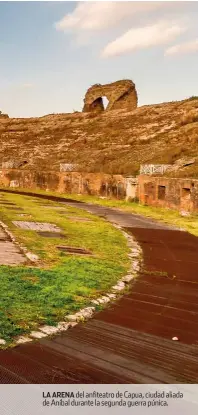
(105, 185)
(120, 94)
(173, 193)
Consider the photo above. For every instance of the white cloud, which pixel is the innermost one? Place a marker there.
(183, 48)
(143, 37)
(99, 20)
(93, 16)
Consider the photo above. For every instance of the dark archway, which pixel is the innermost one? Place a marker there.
(97, 105)
(100, 104)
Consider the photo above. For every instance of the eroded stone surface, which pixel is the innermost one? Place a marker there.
(119, 287)
(66, 135)
(72, 317)
(62, 326)
(121, 95)
(23, 339)
(95, 302)
(73, 324)
(112, 296)
(37, 334)
(85, 313)
(10, 254)
(36, 226)
(32, 257)
(105, 299)
(128, 278)
(49, 329)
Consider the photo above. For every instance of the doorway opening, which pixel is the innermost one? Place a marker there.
(161, 192)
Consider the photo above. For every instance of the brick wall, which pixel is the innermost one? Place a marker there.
(66, 182)
(174, 193)
(161, 191)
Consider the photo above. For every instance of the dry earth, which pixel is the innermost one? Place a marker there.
(115, 141)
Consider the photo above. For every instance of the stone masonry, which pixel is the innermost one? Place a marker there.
(173, 193)
(120, 94)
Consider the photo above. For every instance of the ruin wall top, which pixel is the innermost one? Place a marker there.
(120, 94)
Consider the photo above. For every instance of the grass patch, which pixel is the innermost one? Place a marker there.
(193, 98)
(168, 216)
(64, 283)
(165, 215)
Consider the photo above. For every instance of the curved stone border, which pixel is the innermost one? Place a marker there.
(84, 314)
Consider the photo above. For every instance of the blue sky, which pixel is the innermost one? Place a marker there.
(51, 52)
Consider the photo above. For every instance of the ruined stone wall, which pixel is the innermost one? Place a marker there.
(104, 185)
(120, 94)
(174, 193)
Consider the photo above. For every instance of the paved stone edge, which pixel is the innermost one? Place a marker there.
(31, 257)
(135, 256)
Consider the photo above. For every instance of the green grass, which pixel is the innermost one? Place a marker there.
(168, 216)
(60, 283)
(65, 283)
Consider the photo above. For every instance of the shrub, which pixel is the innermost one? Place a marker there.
(194, 97)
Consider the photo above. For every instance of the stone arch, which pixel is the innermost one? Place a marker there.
(120, 94)
(96, 105)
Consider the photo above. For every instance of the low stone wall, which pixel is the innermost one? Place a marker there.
(174, 193)
(105, 185)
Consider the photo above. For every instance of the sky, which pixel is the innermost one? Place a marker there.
(52, 52)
